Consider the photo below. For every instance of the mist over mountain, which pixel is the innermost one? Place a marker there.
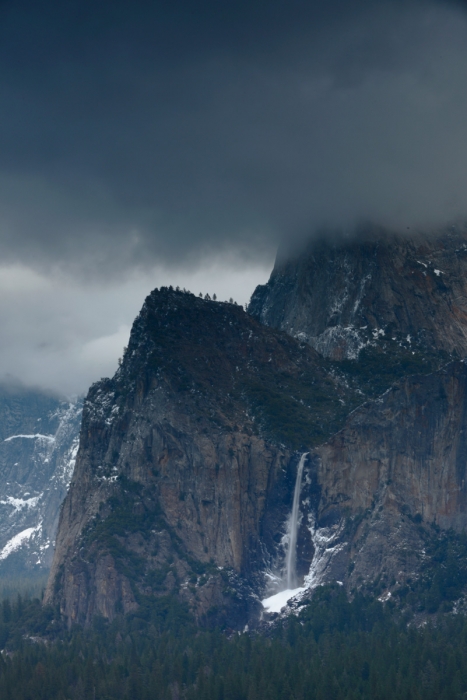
(152, 146)
(342, 292)
(124, 150)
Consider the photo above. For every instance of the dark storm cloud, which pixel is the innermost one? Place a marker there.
(140, 133)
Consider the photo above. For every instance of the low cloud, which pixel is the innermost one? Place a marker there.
(61, 335)
(118, 153)
(146, 146)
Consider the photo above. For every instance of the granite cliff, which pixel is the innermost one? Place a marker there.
(186, 470)
(381, 491)
(186, 463)
(384, 497)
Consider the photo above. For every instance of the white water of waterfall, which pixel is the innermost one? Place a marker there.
(276, 602)
(291, 560)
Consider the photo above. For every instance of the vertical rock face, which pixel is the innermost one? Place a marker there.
(398, 466)
(183, 474)
(39, 437)
(343, 294)
(407, 448)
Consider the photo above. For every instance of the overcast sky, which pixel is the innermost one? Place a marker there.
(150, 143)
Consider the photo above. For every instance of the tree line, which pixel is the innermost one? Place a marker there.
(333, 649)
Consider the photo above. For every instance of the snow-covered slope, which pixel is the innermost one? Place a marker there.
(39, 437)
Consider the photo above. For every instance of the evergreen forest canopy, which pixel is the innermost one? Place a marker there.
(333, 649)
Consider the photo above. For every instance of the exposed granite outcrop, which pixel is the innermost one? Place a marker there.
(387, 481)
(406, 450)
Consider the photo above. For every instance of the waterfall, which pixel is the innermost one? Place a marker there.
(293, 527)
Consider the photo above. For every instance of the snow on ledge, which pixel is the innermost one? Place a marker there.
(50, 438)
(17, 541)
(275, 603)
(20, 503)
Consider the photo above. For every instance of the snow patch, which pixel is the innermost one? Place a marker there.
(18, 540)
(327, 546)
(275, 603)
(348, 338)
(359, 298)
(37, 436)
(20, 503)
(377, 332)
